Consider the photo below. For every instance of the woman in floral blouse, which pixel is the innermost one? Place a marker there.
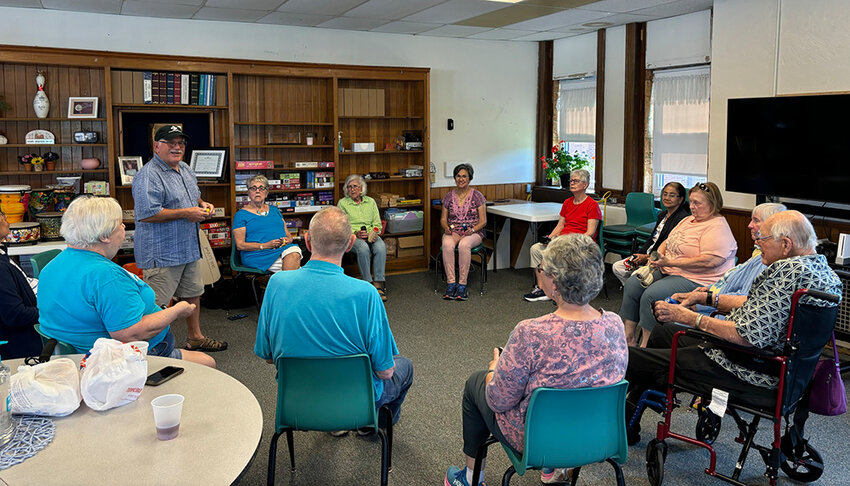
(576, 346)
(463, 219)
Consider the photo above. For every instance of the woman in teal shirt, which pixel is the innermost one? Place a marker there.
(366, 225)
(84, 296)
(260, 233)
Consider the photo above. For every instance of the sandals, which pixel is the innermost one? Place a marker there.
(205, 344)
(383, 293)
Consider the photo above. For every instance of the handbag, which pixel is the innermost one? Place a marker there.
(827, 395)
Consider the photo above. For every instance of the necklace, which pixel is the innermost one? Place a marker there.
(260, 212)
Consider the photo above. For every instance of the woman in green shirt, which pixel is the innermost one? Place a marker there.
(366, 225)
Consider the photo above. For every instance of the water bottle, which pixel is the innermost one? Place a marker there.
(6, 429)
(671, 300)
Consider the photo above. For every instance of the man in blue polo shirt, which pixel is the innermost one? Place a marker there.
(349, 318)
(168, 208)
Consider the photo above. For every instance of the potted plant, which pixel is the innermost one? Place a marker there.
(562, 163)
(32, 162)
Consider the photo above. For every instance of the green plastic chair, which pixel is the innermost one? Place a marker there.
(40, 260)
(569, 428)
(480, 251)
(61, 347)
(640, 210)
(248, 272)
(327, 394)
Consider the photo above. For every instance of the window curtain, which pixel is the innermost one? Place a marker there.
(577, 110)
(680, 122)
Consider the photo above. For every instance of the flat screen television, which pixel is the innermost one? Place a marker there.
(790, 146)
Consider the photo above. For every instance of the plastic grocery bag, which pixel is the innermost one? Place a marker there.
(51, 389)
(113, 373)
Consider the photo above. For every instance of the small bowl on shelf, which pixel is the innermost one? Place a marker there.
(90, 163)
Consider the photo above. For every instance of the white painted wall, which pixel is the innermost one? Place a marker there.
(679, 41)
(488, 87)
(574, 56)
(772, 47)
(615, 81)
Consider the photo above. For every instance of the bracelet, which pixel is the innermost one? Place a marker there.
(261, 246)
(717, 300)
(697, 323)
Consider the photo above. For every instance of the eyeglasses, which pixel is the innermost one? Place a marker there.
(352, 186)
(670, 194)
(461, 176)
(765, 237)
(172, 144)
(258, 188)
(576, 181)
(703, 186)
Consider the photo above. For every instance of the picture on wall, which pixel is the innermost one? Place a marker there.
(208, 163)
(128, 166)
(82, 107)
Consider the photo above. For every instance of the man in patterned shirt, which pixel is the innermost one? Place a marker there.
(788, 249)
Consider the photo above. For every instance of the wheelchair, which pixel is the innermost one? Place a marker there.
(794, 365)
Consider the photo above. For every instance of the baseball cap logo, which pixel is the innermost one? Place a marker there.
(173, 129)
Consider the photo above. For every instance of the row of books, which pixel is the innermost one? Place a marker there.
(179, 89)
(217, 232)
(295, 203)
(269, 164)
(290, 181)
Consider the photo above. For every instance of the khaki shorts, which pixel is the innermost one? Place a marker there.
(181, 281)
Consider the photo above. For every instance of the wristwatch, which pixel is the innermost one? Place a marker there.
(261, 246)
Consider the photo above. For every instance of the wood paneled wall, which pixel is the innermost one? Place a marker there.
(490, 191)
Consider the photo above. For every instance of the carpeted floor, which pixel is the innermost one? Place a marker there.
(447, 341)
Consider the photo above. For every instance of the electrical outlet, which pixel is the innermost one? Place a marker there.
(527, 188)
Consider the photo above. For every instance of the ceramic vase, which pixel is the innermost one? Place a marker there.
(50, 165)
(41, 105)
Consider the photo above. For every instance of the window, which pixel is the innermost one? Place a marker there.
(678, 122)
(576, 119)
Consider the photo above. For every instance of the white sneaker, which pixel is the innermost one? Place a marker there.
(556, 476)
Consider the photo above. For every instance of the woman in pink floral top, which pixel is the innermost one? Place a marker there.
(464, 216)
(576, 346)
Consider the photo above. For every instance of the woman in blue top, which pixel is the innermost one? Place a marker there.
(83, 295)
(260, 233)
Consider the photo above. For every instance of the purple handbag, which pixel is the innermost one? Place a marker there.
(827, 395)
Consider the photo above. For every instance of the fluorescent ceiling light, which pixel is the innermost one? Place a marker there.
(505, 1)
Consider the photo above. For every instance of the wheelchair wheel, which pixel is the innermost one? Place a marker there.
(806, 468)
(708, 426)
(656, 454)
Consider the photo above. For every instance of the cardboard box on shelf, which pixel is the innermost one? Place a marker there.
(411, 246)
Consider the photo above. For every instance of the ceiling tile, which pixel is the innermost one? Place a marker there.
(245, 4)
(319, 7)
(290, 18)
(97, 6)
(390, 9)
(197, 3)
(513, 14)
(402, 27)
(623, 5)
(454, 11)
(347, 23)
(561, 4)
(455, 31)
(542, 36)
(560, 19)
(229, 14)
(680, 7)
(501, 34)
(20, 3)
(613, 19)
(154, 9)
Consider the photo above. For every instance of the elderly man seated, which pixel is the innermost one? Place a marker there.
(348, 319)
(788, 249)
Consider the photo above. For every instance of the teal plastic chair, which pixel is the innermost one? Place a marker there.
(61, 347)
(40, 260)
(640, 210)
(247, 272)
(569, 428)
(480, 251)
(327, 394)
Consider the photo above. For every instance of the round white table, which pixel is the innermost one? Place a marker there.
(220, 431)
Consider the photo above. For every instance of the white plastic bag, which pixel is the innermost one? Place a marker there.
(51, 389)
(114, 373)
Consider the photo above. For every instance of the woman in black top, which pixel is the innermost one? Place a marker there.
(18, 312)
(673, 199)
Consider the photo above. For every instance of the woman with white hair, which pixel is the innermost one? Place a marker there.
(576, 346)
(260, 232)
(370, 249)
(84, 296)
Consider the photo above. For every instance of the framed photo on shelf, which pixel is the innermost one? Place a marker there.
(209, 163)
(128, 166)
(82, 107)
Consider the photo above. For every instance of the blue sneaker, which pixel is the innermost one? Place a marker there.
(461, 293)
(457, 477)
(451, 291)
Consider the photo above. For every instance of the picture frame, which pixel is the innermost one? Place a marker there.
(128, 166)
(82, 107)
(208, 163)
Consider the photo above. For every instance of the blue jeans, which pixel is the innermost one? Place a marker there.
(166, 348)
(395, 389)
(368, 253)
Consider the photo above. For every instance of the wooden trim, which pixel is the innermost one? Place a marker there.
(600, 107)
(545, 109)
(635, 107)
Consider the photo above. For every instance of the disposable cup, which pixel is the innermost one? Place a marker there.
(166, 415)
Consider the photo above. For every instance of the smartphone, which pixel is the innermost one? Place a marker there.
(163, 375)
(236, 317)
